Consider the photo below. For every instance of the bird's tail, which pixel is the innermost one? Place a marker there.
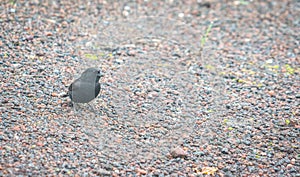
(63, 95)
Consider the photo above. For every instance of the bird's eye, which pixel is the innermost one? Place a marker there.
(98, 72)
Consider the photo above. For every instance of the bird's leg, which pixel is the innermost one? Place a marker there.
(74, 107)
(92, 108)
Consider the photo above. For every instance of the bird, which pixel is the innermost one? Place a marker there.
(86, 87)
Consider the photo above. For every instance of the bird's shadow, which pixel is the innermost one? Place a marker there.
(78, 108)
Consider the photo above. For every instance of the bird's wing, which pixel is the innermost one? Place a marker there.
(74, 86)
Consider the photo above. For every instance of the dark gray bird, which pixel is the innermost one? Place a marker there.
(86, 87)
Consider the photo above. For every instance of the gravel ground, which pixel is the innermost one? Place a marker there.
(178, 98)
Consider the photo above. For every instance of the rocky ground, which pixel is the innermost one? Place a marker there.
(191, 88)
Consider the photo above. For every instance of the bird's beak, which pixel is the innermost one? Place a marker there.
(100, 75)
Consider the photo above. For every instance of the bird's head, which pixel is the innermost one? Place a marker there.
(92, 74)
